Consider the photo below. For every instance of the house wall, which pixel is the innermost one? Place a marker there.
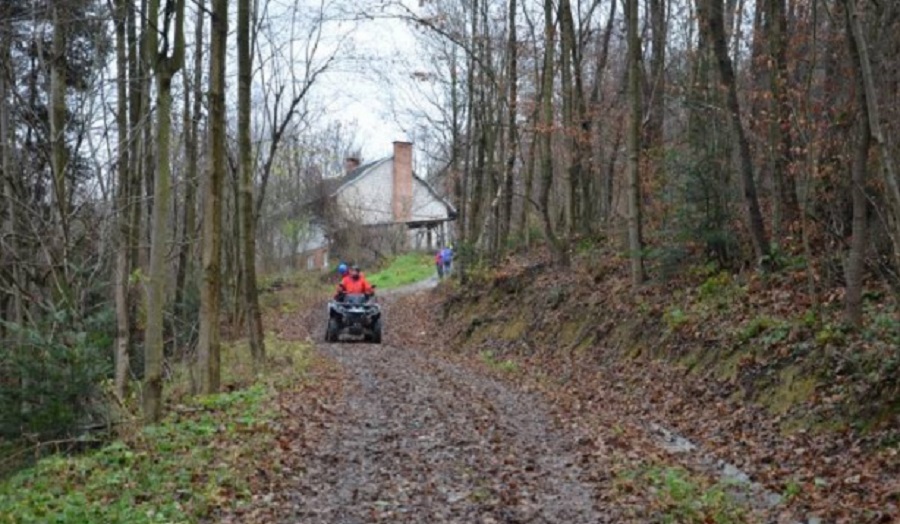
(313, 260)
(425, 205)
(367, 200)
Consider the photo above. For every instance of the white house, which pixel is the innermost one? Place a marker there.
(387, 194)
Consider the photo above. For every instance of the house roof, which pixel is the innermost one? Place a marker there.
(337, 184)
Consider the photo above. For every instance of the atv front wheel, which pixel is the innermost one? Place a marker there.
(331, 334)
(376, 332)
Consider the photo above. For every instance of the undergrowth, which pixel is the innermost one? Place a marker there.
(198, 458)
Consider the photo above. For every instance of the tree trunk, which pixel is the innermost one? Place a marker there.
(524, 226)
(123, 207)
(635, 240)
(711, 17)
(464, 200)
(785, 206)
(567, 64)
(246, 163)
(512, 74)
(866, 76)
(602, 208)
(193, 106)
(164, 68)
(7, 167)
(656, 110)
(208, 345)
(58, 153)
(856, 259)
(557, 246)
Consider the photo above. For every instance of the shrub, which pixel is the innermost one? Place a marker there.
(51, 374)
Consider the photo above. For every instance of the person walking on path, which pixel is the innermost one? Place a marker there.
(439, 264)
(447, 259)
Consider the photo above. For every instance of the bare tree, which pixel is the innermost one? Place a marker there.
(164, 66)
(710, 13)
(246, 167)
(123, 204)
(856, 260)
(193, 106)
(635, 230)
(557, 245)
(208, 357)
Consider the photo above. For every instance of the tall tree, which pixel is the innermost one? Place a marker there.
(164, 67)
(210, 293)
(10, 219)
(785, 207)
(635, 233)
(856, 260)
(193, 106)
(865, 75)
(123, 204)
(601, 201)
(512, 135)
(547, 124)
(58, 152)
(711, 16)
(246, 166)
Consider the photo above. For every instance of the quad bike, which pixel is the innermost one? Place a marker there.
(354, 316)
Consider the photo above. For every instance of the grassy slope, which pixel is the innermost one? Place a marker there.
(402, 270)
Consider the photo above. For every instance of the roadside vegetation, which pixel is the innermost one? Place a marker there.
(201, 456)
(204, 457)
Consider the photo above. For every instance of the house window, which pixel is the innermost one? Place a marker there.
(311, 262)
(325, 261)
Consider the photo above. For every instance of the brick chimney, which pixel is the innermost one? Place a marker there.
(401, 197)
(350, 163)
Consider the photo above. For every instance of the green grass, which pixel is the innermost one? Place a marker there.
(682, 498)
(200, 457)
(404, 269)
(505, 365)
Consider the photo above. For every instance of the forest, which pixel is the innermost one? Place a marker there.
(157, 156)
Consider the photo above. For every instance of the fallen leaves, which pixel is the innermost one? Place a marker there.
(836, 475)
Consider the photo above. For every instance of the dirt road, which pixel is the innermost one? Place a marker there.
(419, 439)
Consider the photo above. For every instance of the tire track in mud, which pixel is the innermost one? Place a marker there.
(422, 440)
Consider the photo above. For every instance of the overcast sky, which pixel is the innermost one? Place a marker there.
(366, 87)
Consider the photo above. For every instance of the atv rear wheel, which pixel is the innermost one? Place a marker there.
(331, 333)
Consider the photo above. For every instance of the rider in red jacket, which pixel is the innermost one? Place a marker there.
(354, 283)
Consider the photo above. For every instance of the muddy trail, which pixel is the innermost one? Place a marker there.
(420, 439)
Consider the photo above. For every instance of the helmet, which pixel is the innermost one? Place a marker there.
(354, 267)
(342, 268)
